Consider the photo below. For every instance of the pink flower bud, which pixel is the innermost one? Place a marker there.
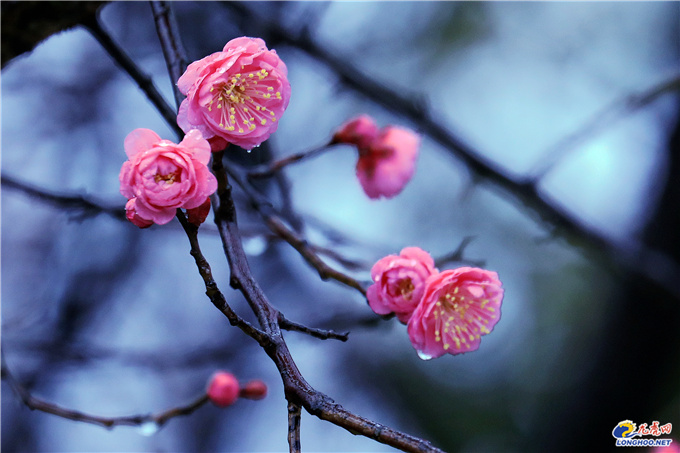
(132, 216)
(399, 282)
(161, 176)
(388, 163)
(237, 95)
(254, 390)
(457, 308)
(359, 131)
(223, 389)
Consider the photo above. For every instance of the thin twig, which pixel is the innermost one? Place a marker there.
(87, 206)
(458, 255)
(604, 118)
(173, 51)
(321, 334)
(154, 420)
(143, 80)
(278, 227)
(277, 165)
(294, 416)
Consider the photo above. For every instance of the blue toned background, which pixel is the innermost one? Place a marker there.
(105, 318)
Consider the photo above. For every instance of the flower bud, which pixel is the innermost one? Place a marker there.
(359, 131)
(254, 390)
(223, 389)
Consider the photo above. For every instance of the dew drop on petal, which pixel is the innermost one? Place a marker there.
(255, 245)
(149, 428)
(424, 356)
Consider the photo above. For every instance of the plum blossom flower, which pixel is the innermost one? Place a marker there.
(359, 131)
(161, 176)
(223, 389)
(399, 282)
(457, 308)
(236, 95)
(388, 162)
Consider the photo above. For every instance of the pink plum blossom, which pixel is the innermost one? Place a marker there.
(161, 176)
(399, 282)
(235, 96)
(223, 389)
(359, 131)
(457, 308)
(388, 163)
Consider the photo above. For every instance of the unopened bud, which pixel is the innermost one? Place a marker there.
(223, 389)
(254, 390)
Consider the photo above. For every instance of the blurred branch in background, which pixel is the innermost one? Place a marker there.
(80, 205)
(147, 421)
(602, 120)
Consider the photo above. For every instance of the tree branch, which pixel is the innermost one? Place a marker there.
(294, 415)
(602, 119)
(211, 289)
(321, 334)
(173, 51)
(143, 80)
(278, 227)
(276, 166)
(88, 207)
(154, 421)
(296, 388)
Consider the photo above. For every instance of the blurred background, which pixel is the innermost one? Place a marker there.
(104, 318)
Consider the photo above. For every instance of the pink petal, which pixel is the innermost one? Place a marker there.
(140, 140)
(199, 146)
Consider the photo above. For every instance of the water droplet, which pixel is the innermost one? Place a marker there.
(249, 151)
(149, 428)
(255, 245)
(424, 356)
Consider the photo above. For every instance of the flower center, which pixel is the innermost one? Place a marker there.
(168, 179)
(460, 319)
(406, 288)
(240, 101)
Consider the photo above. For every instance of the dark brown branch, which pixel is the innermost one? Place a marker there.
(154, 420)
(173, 51)
(294, 415)
(86, 206)
(211, 289)
(321, 334)
(296, 388)
(143, 80)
